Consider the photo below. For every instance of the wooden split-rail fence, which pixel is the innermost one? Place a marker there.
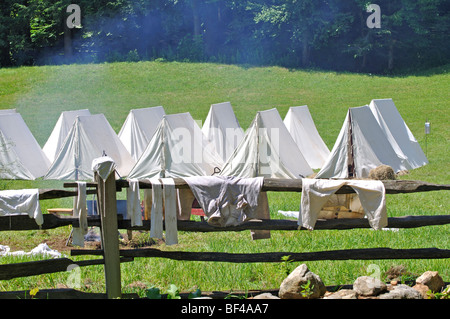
(111, 256)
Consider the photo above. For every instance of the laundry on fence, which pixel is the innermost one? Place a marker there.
(103, 166)
(170, 210)
(164, 207)
(227, 200)
(316, 192)
(156, 217)
(80, 212)
(134, 203)
(24, 201)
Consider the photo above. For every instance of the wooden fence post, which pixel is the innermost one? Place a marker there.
(110, 234)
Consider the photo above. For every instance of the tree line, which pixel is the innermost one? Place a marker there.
(337, 35)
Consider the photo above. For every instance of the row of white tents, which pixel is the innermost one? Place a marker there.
(373, 135)
(152, 143)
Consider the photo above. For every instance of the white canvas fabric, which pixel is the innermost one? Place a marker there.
(177, 149)
(164, 210)
(60, 131)
(10, 165)
(267, 150)
(170, 210)
(316, 192)
(80, 211)
(370, 149)
(369, 142)
(90, 137)
(134, 203)
(21, 157)
(103, 166)
(8, 111)
(222, 128)
(138, 129)
(398, 132)
(41, 249)
(23, 201)
(156, 217)
(300, 124)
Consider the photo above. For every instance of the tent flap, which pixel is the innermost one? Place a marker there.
(60, 132)
(138, 129)
(268, 150)
(21, 156)
(90, 137)
(397, 132)
(300, 125)
(177, 149)
(222, 129)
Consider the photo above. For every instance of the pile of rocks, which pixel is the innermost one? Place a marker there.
(304, 284)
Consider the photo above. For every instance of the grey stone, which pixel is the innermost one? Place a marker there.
(295, 286)
(402, 292)
(369, 286)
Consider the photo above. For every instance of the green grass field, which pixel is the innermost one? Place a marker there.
(40, 94)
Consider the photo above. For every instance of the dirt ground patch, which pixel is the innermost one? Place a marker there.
(138, 240)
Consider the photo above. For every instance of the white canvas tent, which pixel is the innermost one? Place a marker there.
(10, 165)
(300, 124)
(138, 129)
(177, 149)
(8, 111)
(268, 150)
(60, 131)
(361, 146)
(222, 128)
(397, 132)
(89, 138)
(21, 157)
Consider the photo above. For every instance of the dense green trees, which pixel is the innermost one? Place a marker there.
(331, 34)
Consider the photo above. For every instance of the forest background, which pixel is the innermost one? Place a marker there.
(334, 35)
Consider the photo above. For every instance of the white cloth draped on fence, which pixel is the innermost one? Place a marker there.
(80, 212)
(23, 201)
(134, 203)
(164, 208)
(170, 210)
(103, 166)
(316, 192)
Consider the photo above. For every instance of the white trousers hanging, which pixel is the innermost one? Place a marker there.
(134, 203)
(164, 198)
(80, 211)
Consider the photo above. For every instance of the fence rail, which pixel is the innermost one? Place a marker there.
(40, 267)
(295, 185)
(24, 222)
(110, 222)
(347, 254)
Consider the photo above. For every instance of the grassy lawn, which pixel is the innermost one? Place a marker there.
(40, 94)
